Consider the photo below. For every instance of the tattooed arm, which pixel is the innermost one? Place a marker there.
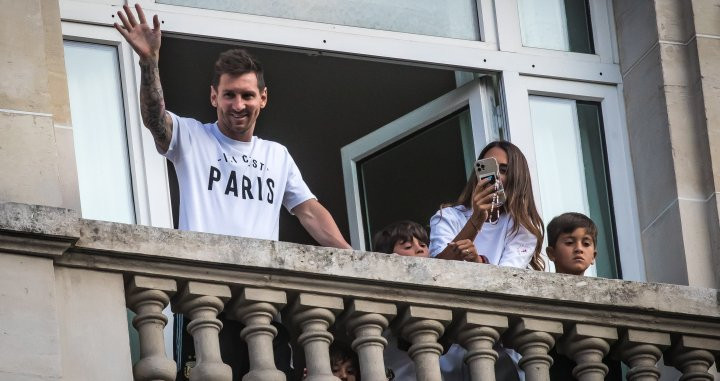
(152, 105)
(146, 43)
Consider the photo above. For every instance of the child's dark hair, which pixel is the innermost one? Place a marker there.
(340, 352)
(567, 223)
(237, 62)
(402, 231)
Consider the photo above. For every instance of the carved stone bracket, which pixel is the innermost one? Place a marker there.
(147, 297)
(533, 339)
(256, 308)
(365, 322)
(587, 345)
(693, 356)
(314, 314)
(478, 333)
(422, 327)
(641, 350)
(202, 302)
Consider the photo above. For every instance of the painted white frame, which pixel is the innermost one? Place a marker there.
(518, 89)
(496, 53)
(567, 74)
(510, 35)
(471, 95)
(151, 194)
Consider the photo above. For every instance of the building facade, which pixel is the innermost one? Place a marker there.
(614, 104)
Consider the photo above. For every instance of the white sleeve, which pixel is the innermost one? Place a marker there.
(519, 248)
(296, 191)
(444, 227)
(174, 147)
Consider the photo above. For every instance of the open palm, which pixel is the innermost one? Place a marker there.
(143, 39)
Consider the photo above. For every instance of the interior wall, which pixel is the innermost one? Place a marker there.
(316, 105)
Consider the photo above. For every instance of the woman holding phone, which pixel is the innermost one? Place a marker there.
(479, 227)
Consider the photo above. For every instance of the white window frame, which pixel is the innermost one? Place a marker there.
(148, 169)
(574, 75)
(518, 88)
(510, 35)
(494, 54)
(470, 95)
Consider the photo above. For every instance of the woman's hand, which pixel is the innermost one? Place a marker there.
(464, 250)
(482, 198)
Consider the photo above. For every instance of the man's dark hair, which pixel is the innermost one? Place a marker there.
(401, 231)
(567, 223)
(237, 62)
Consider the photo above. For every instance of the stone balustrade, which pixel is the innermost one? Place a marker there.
(322, 293)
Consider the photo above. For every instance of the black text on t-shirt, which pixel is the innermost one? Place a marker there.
(248, 189)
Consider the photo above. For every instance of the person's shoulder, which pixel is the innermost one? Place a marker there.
(452, 211)
(271, 145)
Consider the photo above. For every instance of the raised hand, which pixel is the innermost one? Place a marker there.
(144, 40)
(482, 200)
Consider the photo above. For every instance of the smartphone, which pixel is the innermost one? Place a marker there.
(485, 168)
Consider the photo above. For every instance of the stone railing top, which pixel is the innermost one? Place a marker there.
(210, 250)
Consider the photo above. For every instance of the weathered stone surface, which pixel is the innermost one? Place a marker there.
(30, 344)
(172, 246)
(92, 312)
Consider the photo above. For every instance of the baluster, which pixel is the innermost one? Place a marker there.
(422, 327)
(365, 322)
(202, 302)
(147, 297)
(693, 356)
(478, 333)
(256, 308)
(641, 350)
(587, 345)
(314, 314)
(533, 339)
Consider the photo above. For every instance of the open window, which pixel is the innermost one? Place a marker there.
(406, 169)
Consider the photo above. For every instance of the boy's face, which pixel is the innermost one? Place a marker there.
(414, 248)
(344, 370)
(573, 252)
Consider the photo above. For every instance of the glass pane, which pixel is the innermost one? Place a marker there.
(450, 18)
(409, 180)
(556, 24)
(569, 149)
(98, 119)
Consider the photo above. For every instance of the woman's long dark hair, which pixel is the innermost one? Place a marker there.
(520, 203)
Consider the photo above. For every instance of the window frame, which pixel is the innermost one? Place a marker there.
(496, 53)
(519, 88)
(523, 70)
(471, 95)
(148, 169)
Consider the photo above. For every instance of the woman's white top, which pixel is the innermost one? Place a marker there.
(495, 241)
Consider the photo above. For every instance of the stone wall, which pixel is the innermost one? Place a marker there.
(37, 160)
(668, 56)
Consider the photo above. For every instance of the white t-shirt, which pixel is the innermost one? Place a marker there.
(499, 245)
(232, 187)
(495, 241)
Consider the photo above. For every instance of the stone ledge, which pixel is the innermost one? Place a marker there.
(122, 241)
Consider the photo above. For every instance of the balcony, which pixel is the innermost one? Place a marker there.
(65, 283)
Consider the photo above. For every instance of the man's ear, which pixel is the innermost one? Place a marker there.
(213, 96)
(263, 97)
(594, 257)
(550, 251)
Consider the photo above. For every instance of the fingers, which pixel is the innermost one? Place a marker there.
(122, 30)
(130, 15)
(141, 14)
(156, 23)
(124, 19)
